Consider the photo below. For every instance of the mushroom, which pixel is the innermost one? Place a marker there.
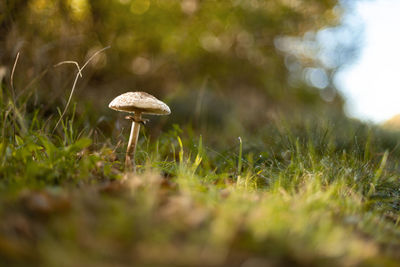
(137, 103)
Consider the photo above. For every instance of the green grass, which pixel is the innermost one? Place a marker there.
(300, 191)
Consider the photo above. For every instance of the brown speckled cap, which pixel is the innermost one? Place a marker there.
(139, 102)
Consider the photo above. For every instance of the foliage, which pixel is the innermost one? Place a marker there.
(299, 192)
(252, 168)
(204, 54)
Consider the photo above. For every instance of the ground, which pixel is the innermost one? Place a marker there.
(309, 193)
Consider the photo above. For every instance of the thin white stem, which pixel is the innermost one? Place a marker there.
(79, 74)
(132, 143)
(12, 77)
(70, 62)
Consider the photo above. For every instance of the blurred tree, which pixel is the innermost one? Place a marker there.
(211, 59)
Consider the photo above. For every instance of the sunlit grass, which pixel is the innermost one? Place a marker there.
(300, 191)
(311, 207)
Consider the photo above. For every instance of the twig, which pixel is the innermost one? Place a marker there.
(95, 54)
(13, 92)
(71, 62)
(12, 77)
(75, 81)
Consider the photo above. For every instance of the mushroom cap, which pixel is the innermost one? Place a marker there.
(139, 102)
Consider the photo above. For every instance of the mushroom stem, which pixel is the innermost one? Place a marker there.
(133, 138)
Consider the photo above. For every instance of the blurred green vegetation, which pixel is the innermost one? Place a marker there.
(303, 186)
(211, 60)
(305, 193)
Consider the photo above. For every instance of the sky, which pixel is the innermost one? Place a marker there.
(371, 84)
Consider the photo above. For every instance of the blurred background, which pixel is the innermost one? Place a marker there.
(370, 84)
(223, 66)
